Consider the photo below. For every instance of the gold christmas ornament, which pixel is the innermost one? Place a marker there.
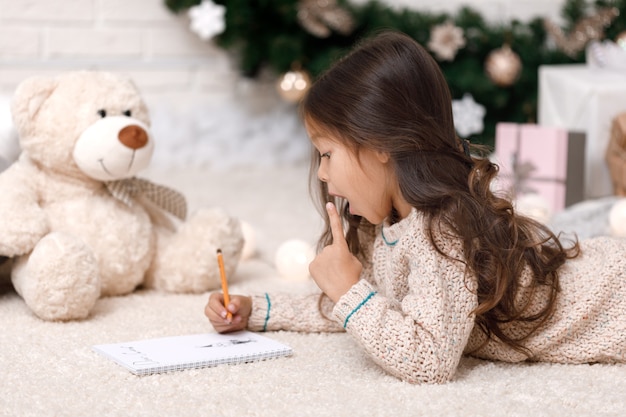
(320, 17)
(590, 28)
(292, 85)
(503, 66)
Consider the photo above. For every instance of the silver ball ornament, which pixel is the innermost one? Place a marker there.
(503, 66)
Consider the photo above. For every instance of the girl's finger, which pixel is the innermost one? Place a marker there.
(336, 227)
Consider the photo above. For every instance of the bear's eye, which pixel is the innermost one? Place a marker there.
(102, 113)
(127, 113)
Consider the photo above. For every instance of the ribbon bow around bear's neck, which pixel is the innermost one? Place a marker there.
(166, 198)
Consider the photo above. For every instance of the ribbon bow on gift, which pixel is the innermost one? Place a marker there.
(166, 198)
(522, 172)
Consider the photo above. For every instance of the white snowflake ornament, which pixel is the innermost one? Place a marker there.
(468, 116)
(446, 40)
(207, 19)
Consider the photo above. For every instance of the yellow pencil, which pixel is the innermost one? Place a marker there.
(220, 262)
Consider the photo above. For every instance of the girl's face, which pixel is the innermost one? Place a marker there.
(365, 180)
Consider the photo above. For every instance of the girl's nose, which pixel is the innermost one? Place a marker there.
(321, 174)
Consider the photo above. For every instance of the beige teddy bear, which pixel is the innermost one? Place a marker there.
(76, 221)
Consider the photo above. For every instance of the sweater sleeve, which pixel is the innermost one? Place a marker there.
(292, 312)
(420, 336)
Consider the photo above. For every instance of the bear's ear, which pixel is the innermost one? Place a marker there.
(29, 96)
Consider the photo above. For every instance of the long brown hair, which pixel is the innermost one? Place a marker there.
(389, 95)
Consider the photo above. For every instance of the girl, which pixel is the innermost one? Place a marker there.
(432, 265)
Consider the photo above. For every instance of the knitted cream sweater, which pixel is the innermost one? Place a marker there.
(411, 311)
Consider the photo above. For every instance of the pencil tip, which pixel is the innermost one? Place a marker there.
(219, 251)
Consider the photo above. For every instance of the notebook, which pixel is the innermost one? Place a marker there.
(144, 357)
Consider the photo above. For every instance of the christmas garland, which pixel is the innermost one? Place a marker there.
(492, 69)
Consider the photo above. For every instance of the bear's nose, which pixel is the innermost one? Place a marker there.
(133, 136)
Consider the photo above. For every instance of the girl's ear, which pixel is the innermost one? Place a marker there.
(383, 156)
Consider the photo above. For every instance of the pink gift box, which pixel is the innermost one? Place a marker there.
(548, 161)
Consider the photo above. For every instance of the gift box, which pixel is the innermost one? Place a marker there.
(540, 160)
(616, 154)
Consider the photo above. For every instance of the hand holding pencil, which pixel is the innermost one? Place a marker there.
(225, 312)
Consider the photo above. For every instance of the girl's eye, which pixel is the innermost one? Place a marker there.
(325, 155)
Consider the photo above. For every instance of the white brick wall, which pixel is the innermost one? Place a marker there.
(492, 10)
(178, 73)
(42, 36)
(140, 35)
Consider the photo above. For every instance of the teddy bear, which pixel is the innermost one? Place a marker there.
(77, 223)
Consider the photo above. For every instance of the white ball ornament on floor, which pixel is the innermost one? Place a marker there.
(617, 219)
(534, 206)
(293, 258)
(249, 241)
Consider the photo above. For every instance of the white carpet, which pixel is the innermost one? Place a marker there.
(48, 369)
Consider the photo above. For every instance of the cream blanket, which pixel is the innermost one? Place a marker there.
(49, 369)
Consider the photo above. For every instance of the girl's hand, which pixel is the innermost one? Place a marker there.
(335, 270)
(240, 306)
